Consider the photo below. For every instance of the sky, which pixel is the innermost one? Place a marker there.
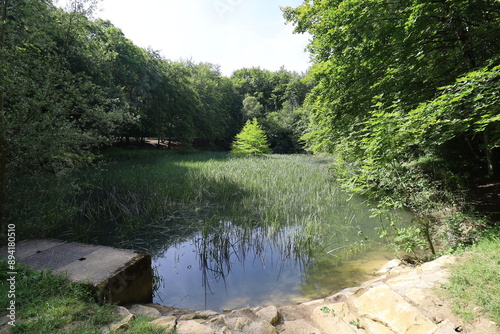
(231, 33)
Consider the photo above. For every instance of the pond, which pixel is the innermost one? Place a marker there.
(227, 233)
(260, 273)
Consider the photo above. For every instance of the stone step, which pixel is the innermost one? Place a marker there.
(118, 275)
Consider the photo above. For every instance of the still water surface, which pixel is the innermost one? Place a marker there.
(260, 270)
(255, 280)
(251, 232)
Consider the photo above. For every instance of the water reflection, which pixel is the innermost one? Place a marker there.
(233, 267)
(235, 232)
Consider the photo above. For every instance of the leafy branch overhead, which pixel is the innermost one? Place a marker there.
(406, 97)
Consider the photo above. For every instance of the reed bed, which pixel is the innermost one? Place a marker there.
(153, 199)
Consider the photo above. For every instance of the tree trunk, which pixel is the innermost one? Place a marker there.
(489, 155)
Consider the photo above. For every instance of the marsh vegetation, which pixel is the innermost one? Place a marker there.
(223, 231)
(407, 129)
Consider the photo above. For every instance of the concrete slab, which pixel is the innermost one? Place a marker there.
(118, 275)
(30, 247)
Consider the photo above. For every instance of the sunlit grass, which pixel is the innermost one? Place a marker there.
(46, 303)
(475, 282)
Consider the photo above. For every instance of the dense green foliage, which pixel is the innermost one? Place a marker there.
(391, 56)
(70, 84)
(406, 98)
(251, 140)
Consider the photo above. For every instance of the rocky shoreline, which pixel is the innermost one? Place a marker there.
(401, 300)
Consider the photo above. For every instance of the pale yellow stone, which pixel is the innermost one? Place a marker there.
(269, 314)
(382, 304)
(377, 327)
(145, 311)
(330, 322)
(167, 322)
(193, 327)
(123, 324)
(299, 327)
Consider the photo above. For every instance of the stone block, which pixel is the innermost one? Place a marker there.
(269, 314)
(299, 327)
(259, 327)
(383, 305)
(329, 322)
(165, 322)
(118, 275)
(145, 311)
(193, 327)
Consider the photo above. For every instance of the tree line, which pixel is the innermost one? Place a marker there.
(404, 93)
(70, 84)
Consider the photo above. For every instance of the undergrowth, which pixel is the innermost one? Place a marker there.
(47, 303)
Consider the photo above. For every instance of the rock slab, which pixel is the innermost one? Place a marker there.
(383, 305)
(118, 275)
(400, 301)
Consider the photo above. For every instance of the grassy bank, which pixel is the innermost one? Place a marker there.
(46, 303)
(475, 282)
(49, 304)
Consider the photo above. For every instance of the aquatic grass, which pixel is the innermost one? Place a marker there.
(145, 195)
(39, 205)
(281, 208)
(284, 208)
(280, 189)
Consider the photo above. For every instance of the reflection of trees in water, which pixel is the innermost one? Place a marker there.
(314, 241)
(221, 246)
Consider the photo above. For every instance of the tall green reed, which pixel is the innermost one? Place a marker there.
(152, 199)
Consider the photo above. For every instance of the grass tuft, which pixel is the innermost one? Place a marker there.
(475, 282)
(141, 326)
(48, 303)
